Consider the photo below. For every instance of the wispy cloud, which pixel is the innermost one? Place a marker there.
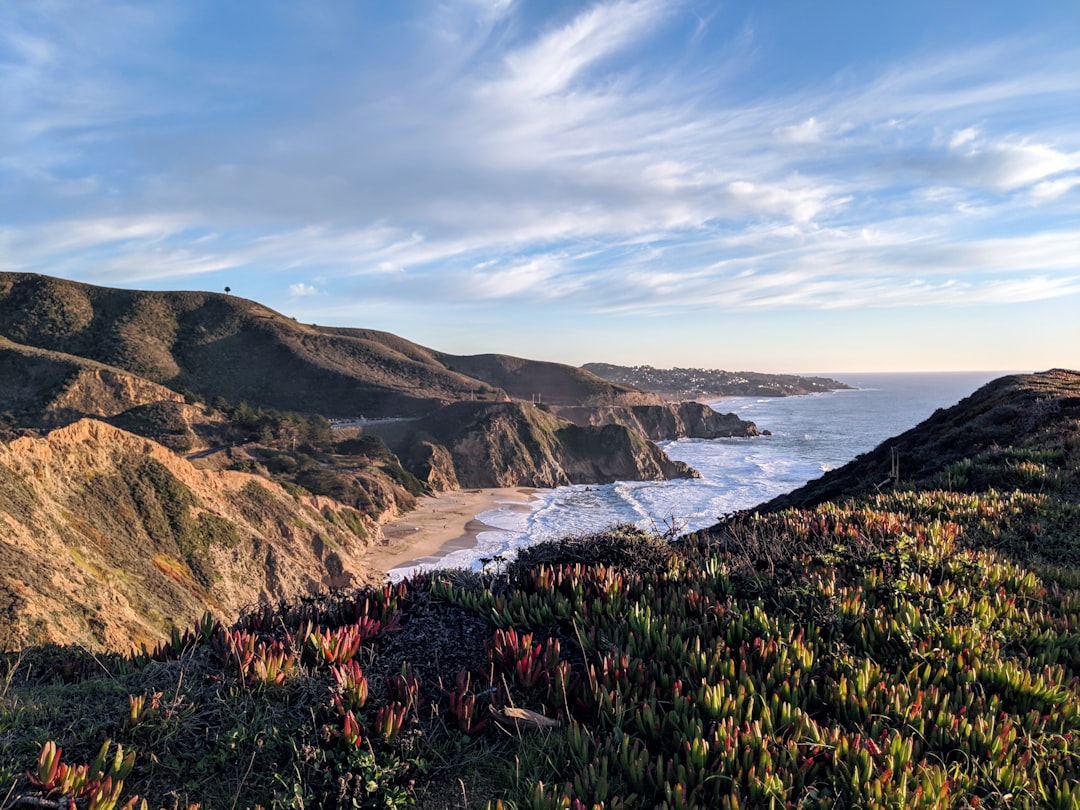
(572, 160)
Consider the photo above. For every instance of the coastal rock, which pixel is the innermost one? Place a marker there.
(692, 420)
(517, 444)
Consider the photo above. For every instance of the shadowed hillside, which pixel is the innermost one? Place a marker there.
(223, 346)
(552, 383)
(42, 387)
(1037, 412)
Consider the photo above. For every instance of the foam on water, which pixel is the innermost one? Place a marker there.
(810, 435)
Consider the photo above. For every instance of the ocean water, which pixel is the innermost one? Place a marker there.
(810, 435)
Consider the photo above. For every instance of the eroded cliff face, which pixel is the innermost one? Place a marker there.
(516, 444)
(692, 420)
(105, 392)
(107, 539)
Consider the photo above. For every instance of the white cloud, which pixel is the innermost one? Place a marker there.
(573, 165)
(553, 63)
(809, 131)
(963, 137)
(800, 202)
(302, 290)
(1007, 165)
(1049, 190)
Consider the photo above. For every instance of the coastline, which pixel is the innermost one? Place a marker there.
(440, 525)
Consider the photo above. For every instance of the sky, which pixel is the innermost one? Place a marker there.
(778, 186)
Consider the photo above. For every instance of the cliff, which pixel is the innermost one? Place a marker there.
(1028, 411)
(516, 444)
(692, 420)
(107, 539)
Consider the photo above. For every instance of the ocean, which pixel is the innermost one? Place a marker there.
(810, 435)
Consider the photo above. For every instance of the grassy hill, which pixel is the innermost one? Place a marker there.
(223, 346)
(551, 383)
(913, 647)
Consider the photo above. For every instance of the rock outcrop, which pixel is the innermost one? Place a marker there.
(517, 444)
(692, 420)
(107, 539)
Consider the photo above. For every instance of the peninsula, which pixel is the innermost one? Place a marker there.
(706, 383)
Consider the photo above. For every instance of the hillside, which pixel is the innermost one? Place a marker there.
(551, 383)
(223, 346)
(915, 648)
(47, 388)
(219, 345)
(516, 444)
(108, 540)
(707, 383)
(1034, 413)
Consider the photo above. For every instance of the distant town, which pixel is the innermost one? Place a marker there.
(705, 383)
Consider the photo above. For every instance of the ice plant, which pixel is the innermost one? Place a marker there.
(350, 732)
(463, 705)
(352, 687)
(404, 687)
(100, 783)
(389, 720)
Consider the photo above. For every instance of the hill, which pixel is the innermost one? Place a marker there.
(1034, 413)
(219, 345)
(916, 647)
(43, 387)
(223, 346)
(550, 383)
(108, 540)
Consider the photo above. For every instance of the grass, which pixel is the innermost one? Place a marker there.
(860, 654)
(916, 647)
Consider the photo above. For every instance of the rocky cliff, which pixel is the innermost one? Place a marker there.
(692, 420)
(516, 444)
(107, 539)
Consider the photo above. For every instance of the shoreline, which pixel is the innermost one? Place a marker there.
(440, 525)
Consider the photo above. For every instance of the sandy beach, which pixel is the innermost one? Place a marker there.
(439, 525)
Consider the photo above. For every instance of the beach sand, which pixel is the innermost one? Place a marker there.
(439, 525)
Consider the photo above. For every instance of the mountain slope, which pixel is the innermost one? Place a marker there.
(552, 383)
(221, 345)
(1030, 411)
(47, 387)
(107, 539)
(224, 346)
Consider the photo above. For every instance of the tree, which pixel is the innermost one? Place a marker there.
(228, 290)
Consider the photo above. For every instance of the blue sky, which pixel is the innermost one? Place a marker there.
(780, 186)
